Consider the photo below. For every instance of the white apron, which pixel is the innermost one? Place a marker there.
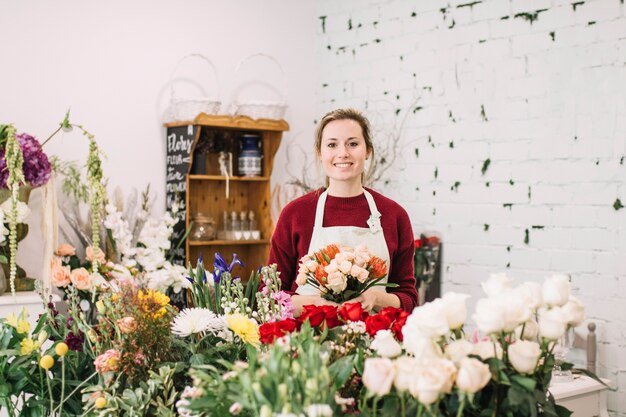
(371, 237)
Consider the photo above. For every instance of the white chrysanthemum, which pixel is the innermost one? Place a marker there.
(197, 320)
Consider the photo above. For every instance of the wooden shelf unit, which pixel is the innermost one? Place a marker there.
(206, 193)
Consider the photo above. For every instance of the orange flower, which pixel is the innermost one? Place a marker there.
(320, 274)
(320, 258)
(377, 267)
(331, 250)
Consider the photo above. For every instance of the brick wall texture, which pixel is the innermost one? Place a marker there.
(503, 126)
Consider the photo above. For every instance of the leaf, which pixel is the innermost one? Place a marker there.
(527, 383)
(341, 370)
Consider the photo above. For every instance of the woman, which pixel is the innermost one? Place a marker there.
(348, 214)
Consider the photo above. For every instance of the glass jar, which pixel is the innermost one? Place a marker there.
(203, 228)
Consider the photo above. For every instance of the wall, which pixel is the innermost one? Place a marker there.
(510, 122)
(111, 63)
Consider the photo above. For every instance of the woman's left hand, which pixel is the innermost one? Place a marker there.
(375, 299)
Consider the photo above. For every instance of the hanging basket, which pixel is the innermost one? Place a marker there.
(186, 109)
(262, 109)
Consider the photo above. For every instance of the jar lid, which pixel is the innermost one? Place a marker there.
(202, 217)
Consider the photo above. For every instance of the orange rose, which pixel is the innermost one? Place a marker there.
(60, 275)
(127, 324)
(80, 278)
(65, 250)
(90, 252)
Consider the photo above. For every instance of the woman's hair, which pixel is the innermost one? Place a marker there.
(346, 114)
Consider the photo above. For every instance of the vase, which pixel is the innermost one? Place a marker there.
(22, 282)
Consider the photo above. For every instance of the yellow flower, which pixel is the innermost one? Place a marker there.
(244, 327)
(27, 346)
(61, 349)
(101, 402)
(100, 307)
(46, 362)
(114, 297)
(20, 323)
(153, 303)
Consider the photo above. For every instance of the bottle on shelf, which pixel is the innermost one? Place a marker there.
(255, 233)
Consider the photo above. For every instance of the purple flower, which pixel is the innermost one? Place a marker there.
(75, 341)
(36, 166)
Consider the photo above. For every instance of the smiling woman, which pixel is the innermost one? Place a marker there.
(347, 214)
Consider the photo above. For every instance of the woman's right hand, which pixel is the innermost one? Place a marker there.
(300, 301)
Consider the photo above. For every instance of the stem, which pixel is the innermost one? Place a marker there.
(62, 385)
(52, 135)
(420, 410)
(460, 411)
(76, 389)
(402, 405)
(49, 391)
(374, 406)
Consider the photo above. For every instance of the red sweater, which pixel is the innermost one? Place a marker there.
(292, 237)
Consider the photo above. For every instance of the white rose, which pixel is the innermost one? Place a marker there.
(458, 350)
(378, 375)
(489, 316)
(311, 265)
(359, 273)
(574, 311)
(337, 282)
(430, 319)
(301, 279)
(419, 345)
(531, 330)
(319, 410)
(524, 356)
(428, 384)
(496, 284)
(487, 349)
(531, 294)
(345, 267)
(556, 290)
(472, 376)
(385, 344)
(404, 372)
(331, 267)
(455, 309)
(447, 369)
(552, 323)
(515, 310)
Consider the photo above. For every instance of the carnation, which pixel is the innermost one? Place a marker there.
(36, 166)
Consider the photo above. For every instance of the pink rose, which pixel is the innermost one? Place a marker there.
(90, 252)
(60, 275)
(127, 324)
(80, 278)
(65, 250)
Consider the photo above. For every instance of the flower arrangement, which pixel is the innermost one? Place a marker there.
(342, 273)
(36, 167)
(426, 258)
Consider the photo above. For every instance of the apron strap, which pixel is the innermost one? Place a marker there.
(373, 222)
(319, 210)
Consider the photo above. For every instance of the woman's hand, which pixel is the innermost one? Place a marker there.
(374, 299)
(300, 301)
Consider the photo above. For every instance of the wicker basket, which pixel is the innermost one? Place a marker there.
(186, 109)
(261, 109)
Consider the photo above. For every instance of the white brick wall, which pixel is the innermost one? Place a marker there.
(554, 94)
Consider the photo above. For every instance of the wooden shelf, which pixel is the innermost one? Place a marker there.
(223, 178)
(228, 242)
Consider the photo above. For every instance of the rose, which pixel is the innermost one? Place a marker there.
(524, 356)
(60, 275)
(359, 273)
(489, 316)
(80, 278)
(472, 376)
(271, 331)
(65, 250)
(531, 294)
(496, 284)
(318, 315)
(574, 311)
(455, 309)
(377, 322)
(556, 290)
(89, 253)
(385, 344)
(337, 282)
(430, 319)
(127, 324)
(552, 323)
(515, 310)
(404, 372)
(458, 350)
(447, 369)
(398, 318)
(487, 349)
(352, 312)
(419, 345)
(428, 384)
(378, 375)
(301, 279)
(531, 330)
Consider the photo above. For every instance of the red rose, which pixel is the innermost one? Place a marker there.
(352, 312)
(397, 317)
(316, 315)
(271, 331)
(377, 322)
(418, 243)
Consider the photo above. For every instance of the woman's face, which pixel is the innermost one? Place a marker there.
(343, 151)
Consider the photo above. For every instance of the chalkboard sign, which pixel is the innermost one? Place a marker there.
(179, 146)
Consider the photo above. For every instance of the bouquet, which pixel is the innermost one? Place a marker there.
(342, 273)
